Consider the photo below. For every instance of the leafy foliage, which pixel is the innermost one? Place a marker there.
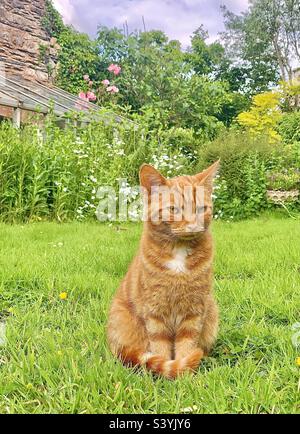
(78, 54)
(263, 116)
(156, 76)
(56, 176)
(288, 179)
(52, 21)
(289, 127)
(182, 110)
(247, 162)
(249, 51)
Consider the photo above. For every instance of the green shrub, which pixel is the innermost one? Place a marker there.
(183, 138)
(241, 189)
(56, 174)
(250, 198)
(289, 127)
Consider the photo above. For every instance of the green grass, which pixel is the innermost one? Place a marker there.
(56, 357)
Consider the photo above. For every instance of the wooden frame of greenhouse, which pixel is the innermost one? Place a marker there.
(22, 97)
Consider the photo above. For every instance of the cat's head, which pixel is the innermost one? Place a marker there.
(181, 207)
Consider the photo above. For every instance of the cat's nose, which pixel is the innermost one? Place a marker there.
(193, 228)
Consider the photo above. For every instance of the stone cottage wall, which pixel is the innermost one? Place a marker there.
(21, 36)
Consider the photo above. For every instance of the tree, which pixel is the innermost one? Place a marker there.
(181, 89)
(267, 38)
(158, 75)
(211, 60)
(279, 20)
(205, 58)
(248, 48)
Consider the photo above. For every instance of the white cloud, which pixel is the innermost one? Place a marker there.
(66, 9)
(178, 18)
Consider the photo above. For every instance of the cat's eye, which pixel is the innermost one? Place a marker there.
(201, 209)
(174, 209)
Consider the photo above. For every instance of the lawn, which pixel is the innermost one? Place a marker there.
(56, 357)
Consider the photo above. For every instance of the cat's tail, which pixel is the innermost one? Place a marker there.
(160, 365)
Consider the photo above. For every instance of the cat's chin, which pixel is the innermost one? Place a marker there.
(189, 236)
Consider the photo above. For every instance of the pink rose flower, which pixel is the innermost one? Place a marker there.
(106, 82)
(90, 83)
(111, 67)
(83, 96)
(112, 89)
(86, 77)
(91, 96)
(115, 69)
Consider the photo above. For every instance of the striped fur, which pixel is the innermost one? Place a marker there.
(160, 365)
(164, 315)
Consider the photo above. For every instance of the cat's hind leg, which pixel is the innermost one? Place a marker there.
(209, 330)
(126, 331)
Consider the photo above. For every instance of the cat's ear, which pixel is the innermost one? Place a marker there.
(208, 175)
(150, 177)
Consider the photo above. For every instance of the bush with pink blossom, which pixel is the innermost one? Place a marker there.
(106, 87)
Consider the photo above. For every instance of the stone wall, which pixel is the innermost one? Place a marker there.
(21, 36)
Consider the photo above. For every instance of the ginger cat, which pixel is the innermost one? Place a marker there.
(164, 315)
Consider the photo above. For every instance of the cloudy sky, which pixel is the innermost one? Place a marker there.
(178, 18)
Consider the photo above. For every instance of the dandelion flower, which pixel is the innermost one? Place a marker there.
(298, 361)
(63, 295)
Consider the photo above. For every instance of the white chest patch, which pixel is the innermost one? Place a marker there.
(177, 263)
